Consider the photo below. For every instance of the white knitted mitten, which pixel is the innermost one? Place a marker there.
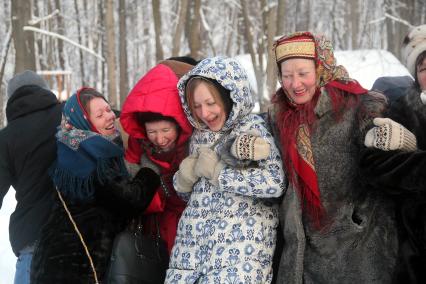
(185, 176)
(389, 135)
(209, 165)
(250, 147)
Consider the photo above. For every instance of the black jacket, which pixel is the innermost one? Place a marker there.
(59, 256)
(27, 149)
(403, 175)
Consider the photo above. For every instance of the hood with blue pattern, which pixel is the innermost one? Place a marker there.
(232, 76)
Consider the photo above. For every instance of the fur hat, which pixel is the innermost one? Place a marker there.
(25, 78)
(414, 44)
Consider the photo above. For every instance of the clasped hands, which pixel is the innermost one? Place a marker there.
(206, 163)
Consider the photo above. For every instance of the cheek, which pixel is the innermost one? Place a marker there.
(422, 80)
(311, 82)
(197, 114)
(286, 84)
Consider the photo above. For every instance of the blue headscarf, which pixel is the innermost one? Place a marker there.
(84, 155)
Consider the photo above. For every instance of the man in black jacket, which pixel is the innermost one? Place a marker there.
(27, 149)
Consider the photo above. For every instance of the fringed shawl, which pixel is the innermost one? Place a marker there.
(84, 156)
(296, 122)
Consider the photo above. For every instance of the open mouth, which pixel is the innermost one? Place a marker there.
(299, 93)
(212, 121)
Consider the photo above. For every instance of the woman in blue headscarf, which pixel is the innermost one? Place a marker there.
(94, 188)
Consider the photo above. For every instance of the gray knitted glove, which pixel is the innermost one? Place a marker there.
(250, 147)
(389, 135)
(209, 165)
(185, 176)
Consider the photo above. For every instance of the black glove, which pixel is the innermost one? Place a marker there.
(136, 193)
(148, 178)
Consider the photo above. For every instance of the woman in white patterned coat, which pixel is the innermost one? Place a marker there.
(231, 179)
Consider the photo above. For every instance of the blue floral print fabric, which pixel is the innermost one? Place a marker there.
(227, 233)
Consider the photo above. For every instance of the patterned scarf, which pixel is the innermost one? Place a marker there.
(84, 156)
(296, 122)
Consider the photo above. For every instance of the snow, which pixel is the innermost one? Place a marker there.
(363, 65)
(369, 64)
(7, 259)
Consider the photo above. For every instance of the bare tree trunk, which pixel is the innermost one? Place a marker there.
(110, 45)
(195, 27)
(354, 22)
(39, 41)
(8, 41)
(271, 67)
(179, 27)
(77, 13)
(61, 30)
(281, 19)
(124, 80)
(23, 41)
(100, 44)
(50, 54)
(250, 44)
(157, 27)
(233, 27)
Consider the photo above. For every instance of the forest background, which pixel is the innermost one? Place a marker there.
(110, 44)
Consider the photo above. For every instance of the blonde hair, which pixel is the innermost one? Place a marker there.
(192, 84)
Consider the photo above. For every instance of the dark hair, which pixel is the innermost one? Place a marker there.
(185, 59)
(217, 90)
(85, 95)
(419, 61)
(142, 117)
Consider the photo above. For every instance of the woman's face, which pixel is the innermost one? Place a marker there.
(207, 108)
(101, 116)
(162, 133)
(421, 74)
(299, 79)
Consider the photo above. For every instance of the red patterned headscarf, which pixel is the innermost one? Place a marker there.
(296, 122)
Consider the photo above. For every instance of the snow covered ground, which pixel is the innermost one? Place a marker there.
(363, 65)
(7, 258)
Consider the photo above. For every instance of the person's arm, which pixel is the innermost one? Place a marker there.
(137, 192)
(396, 172)
(5, 176)
(401, 170)
(263, 178)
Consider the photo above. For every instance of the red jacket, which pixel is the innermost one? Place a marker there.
(157, 92)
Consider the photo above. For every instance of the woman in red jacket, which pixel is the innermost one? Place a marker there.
(158, 131)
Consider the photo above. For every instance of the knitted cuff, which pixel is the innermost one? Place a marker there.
(409, 141)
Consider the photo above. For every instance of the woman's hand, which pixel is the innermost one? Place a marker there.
(250, 147)
(185, 176)
(389, 135)
(208, 165)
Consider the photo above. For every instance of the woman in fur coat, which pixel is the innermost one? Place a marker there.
(335, 229)
(93, 188)
(227, 232)
(402, 172)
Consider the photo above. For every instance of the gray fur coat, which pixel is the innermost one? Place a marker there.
(359, 244)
